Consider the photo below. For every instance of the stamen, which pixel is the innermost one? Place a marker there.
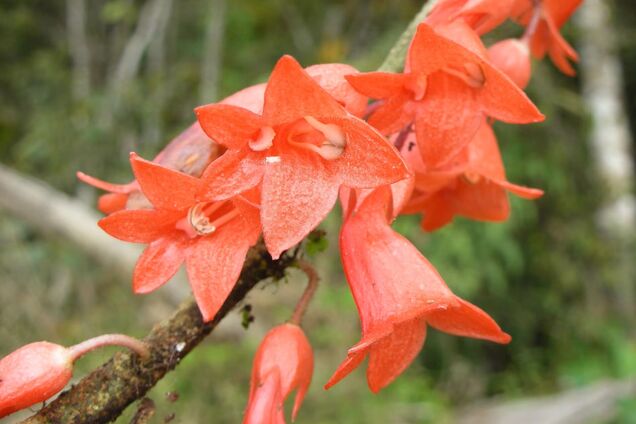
(472, 177)
(264, 140)
(470, 73)
(199, 217)
(334, 143)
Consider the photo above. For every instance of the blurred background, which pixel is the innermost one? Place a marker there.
(82, 83)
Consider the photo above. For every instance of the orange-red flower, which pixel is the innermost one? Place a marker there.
(212, 238)
(284, 362)
(474, 185)
(398, 294)
(446, 91)
(303, 147)
(512, 57)
(545, 23)
(482, 15)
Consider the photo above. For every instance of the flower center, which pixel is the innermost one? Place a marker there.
(264, 141)
(206, 218)
(472, 177)
(470, 73)
(417, 84)
(327, 140)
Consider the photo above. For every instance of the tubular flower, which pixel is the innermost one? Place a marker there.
(544, 20)
(398, 294)
(473, 186)
(445, 93)
(302, 148)
(212, 238)
(481, 15)
(284, 362)
(512, 57)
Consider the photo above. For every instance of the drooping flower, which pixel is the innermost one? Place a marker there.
(284, 362)
(445, 93)
(546, 19)
(481, 15)
(37, 371)
(302, 148)
(398, 294)
(474, 185)
(212, 238)
(512, 57)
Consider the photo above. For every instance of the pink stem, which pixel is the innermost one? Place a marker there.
(305, 299)
(89, 345)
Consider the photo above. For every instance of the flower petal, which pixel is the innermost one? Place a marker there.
(214, 264)
(368, 160)
(331, 77)
(389, 357)
(231, 126)
(378, 85)
(112, 202)
(298, 193)
(292, 94)
(106, 186)
(165, 188)
(446, 120)
(139, 225)
(467, 320)
(265, 405)
(521, 191)
(352, 362)
(234, 172)
(158, 263)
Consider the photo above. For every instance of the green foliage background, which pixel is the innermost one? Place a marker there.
(546, 275)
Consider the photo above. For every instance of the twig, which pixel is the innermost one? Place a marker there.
(145, 411)
(308, 294)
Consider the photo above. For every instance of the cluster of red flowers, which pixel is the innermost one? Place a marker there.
(273, 159)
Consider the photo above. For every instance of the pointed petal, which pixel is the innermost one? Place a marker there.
(378, 85)
(446, 120)
(250, 98)
(165, 188)
(467, 320)
(331, 77)
(392, 355)
(266, 403)
(106, 186)
(483, 201)
(368, 160)
(158, 263)
(437, 213)
(231, 126)
(112, 202)
(234, 172)
(430, 52)
(503, 100)
(298, 193)
(214, 263)
(521, 191)
(349, 364)
(140, 225)
(292, 94)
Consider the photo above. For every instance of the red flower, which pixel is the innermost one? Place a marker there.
(545, 37)
(32, 374)
(447, 91)
(482, 15)
(302, 148)
(212, 238)
(512, 57)
(474, 185)
(284, 362)
(398, 294)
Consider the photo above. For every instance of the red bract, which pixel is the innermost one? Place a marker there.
(212, 238)
(546, 22)
(446, 93)
(302, 148)
(32, 374)
(284, 362)
(482, 15)
(512, 57)
(398, 294)
(473, 186)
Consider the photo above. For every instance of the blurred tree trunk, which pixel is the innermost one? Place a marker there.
(213, 51)
(78, 48)
(603, 87)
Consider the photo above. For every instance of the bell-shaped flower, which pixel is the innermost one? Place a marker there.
(212, 238)
(398, 294)
(546, 19)
(445, 92)
(474, 185)
(481, 15)
(284, 362)
(302, 148)
(512, 57)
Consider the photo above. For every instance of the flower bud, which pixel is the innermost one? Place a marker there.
(512, 57)
(32, 374)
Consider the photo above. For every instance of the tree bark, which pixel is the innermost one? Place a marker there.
(213, 52)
